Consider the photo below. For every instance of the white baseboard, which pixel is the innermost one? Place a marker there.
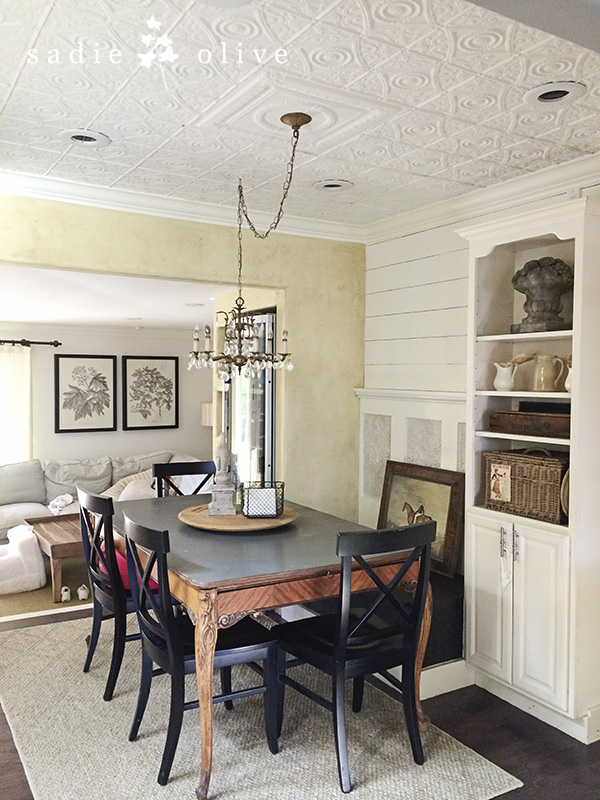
(585, 729)
(447, 677)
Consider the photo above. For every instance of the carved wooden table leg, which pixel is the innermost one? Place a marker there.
(423, 639)
(205, 640)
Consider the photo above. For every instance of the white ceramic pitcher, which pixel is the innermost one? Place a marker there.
(505, 377)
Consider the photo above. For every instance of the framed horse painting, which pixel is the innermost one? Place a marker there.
(413, 493)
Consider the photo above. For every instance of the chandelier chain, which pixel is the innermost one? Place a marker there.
(286, 187)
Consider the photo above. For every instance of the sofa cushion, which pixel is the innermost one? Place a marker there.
(63, 477)
(128, 465)
(115, 490)
(138, 490)
(16, 513)
(22, 483)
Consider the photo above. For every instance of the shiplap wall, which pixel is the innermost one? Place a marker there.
(416, 312)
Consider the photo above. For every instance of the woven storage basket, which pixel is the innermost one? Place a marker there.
(526, 482)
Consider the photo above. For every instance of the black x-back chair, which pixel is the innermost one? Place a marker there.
(361, 641)
(163, 474)
(111, 595)
(168, 642)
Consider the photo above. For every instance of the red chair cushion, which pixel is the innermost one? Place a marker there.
(122, 565)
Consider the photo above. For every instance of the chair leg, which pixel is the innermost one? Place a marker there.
(96, 622)
(280, 689)
(410, 712)
(144, 692)
(271, 698)
(174, 729)
(358, 686)
(117, 655)
(226, 686)
(339, 730)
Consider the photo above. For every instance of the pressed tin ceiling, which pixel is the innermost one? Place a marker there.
(413, 101)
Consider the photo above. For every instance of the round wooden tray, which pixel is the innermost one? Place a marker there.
(198, 517)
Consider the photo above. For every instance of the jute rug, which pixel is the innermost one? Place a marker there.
(74, 745)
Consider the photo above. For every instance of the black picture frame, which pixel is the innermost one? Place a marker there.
(412, 492)
(85, 389)
(150, 392)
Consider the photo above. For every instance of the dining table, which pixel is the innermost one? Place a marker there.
(221, 576)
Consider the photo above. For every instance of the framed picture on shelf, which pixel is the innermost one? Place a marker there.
(85, 393)
(413, 493)
(150, 392)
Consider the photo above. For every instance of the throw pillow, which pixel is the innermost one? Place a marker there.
(138, 490)
(63, 477)
(22, 483)
(115, 490)
(128, 465)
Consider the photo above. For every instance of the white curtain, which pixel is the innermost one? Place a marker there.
(15, 403)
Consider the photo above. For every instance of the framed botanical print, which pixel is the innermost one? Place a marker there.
(150, 392)
(85, 393)
(413, 493)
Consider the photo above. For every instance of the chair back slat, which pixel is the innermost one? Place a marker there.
(369, 628)
(154, 606)
(163, 473)
(96, 516)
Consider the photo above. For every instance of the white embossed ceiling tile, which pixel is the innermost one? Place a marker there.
(422, 127)
(378, 180)
(155, 102)
(215, 142)
(584, 136)
(371, 150)
(479, 141)
(30, 160)
(151, 181)
(22, 132)
(558, 60)
(121, 127)
(335, 116)
(14, 12)
(170, 161)
(358, 214)
(400, 22)
(38, 107)
(478, 100)
(197, 83)
(95, 85)
(330, 56)
(481, 172)
(535, 154)
(539, 121)
(204, 190)
(87, 170)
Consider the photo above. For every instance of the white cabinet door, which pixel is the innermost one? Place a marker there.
(489, 596)
(540, 614)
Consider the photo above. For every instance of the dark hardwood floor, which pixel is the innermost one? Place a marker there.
(552, 766)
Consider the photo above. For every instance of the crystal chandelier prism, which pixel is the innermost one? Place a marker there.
(242, 334)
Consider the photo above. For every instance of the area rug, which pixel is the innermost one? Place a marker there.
(74, 745)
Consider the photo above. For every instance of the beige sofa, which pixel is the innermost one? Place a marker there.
(29, 487)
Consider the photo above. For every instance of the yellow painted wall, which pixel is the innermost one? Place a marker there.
(324, 284)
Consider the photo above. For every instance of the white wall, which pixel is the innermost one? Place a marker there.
(195, 387)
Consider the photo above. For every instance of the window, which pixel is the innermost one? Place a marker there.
(15, 403)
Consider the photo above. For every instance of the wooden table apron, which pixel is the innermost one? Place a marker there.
(222, 577)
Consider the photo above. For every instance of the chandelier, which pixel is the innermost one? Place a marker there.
(242, 333)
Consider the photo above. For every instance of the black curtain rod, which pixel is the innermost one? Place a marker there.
(28, 343)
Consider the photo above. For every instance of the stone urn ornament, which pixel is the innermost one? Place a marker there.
(543, 282)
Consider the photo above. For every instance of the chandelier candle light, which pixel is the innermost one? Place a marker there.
(242, 334)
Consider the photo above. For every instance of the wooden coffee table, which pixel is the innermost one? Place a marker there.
(59, 537)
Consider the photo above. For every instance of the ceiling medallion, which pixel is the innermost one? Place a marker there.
(555, 92)
(242, 334)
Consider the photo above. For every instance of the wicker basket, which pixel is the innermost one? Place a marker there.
(526, 482)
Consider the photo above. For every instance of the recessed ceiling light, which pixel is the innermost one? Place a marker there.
(555, 92)
(333, 185)
(85, 138)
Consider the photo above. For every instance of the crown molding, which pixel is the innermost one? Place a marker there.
(63, 191)
(561, 182)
